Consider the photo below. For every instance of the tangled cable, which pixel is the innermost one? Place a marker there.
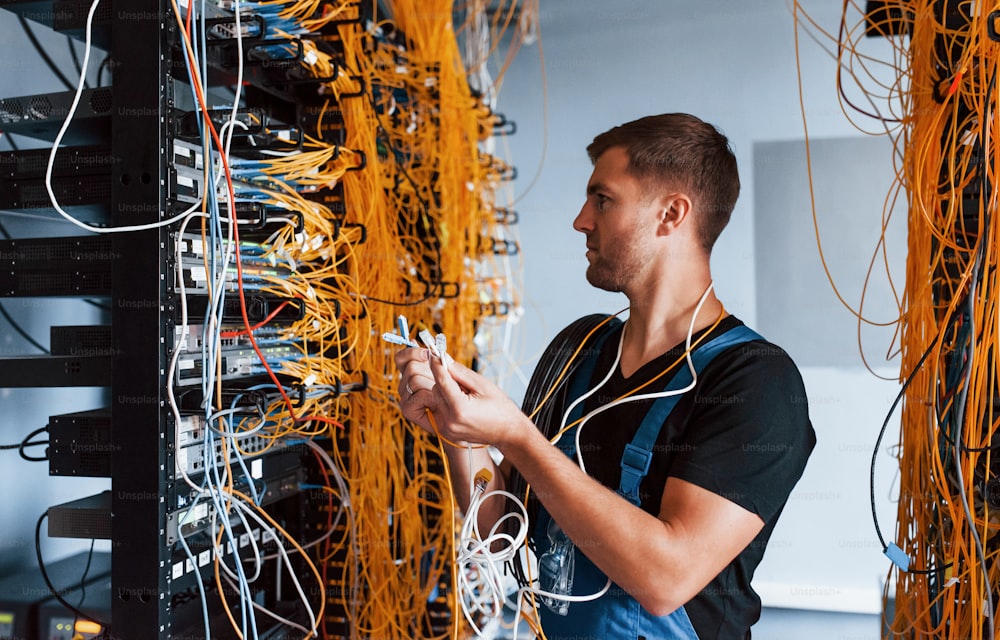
(938, 104)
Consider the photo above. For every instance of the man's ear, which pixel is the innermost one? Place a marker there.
(674, 212)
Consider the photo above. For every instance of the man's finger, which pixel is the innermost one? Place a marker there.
(466, 378)
(403, 357)
(446, 384)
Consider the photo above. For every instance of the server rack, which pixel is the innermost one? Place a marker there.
(134, 140)
(121, 139)
(140, 427)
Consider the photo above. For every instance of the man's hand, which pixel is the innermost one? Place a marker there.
(429, 387)
(471, 408)
(415, 386)
(466, 406)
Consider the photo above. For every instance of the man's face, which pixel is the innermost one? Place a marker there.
(619, 222)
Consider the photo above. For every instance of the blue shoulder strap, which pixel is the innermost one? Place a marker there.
(639, 452)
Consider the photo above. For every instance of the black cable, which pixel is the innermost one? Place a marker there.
(48, 582)
(83, 578)
(45, 56)
(958, 445)
(841, 34)
(76, 60)
(20, 330)
(878, 445)
(24, 444)
(27, 442)
(960, 418)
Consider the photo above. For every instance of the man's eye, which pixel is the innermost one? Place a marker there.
(602, 201)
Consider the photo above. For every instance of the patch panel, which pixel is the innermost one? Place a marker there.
(257, 275)
(191, 459)
(276, 476)
(236, 357)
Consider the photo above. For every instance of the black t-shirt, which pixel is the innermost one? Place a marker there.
(743, 433)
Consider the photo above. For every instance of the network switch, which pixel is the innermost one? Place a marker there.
(68, 266)
(42, 115)
(88, 517)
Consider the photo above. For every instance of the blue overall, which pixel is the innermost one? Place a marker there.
(616, 614)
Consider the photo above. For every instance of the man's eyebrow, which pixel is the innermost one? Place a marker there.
(594, 187)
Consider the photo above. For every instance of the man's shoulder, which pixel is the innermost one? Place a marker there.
(589, 325)
(755, 349)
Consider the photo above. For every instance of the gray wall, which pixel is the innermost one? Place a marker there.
(732, 63)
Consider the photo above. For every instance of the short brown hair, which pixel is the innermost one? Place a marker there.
(680, 150)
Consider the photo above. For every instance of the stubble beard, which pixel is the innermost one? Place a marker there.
(612, 273)
(616, 267)
(603, 278)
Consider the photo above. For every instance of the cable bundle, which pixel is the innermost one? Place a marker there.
(940, 109)
(400, 147)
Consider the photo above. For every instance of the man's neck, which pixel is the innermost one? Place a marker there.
(657, 323)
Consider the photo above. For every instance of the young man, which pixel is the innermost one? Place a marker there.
(692, 430)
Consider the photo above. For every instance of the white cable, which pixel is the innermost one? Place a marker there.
(180, 335)
(272, 614)
(476, 557)
(225, 505)
(642, 396)
(345, 501)
(217, 494)
(201, 585)
(269, 530)
(62, 132)
(534, 591)
(590, 392)
(237, 411)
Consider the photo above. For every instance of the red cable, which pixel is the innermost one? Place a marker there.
(270, 316)
(239, 265)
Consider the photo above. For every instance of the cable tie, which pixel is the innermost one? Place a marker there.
(898, 557)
